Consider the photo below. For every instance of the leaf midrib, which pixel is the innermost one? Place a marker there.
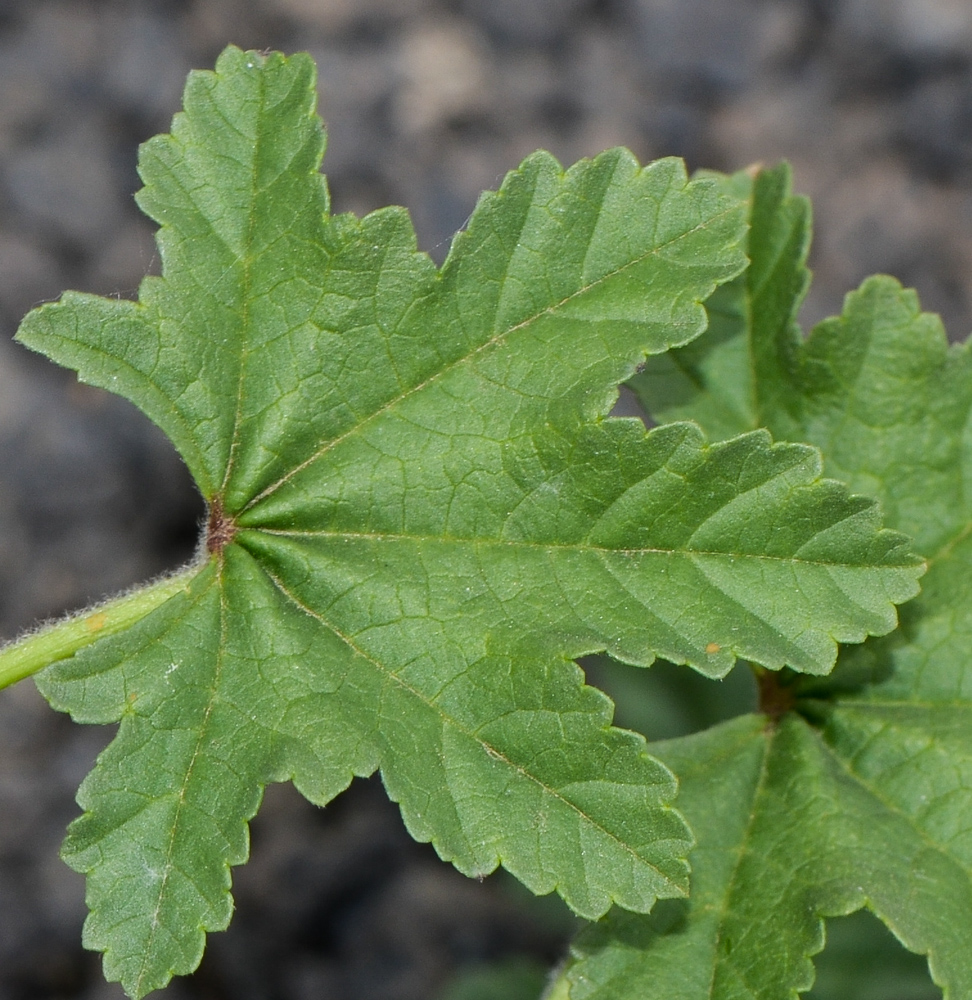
(145, 968)
(753, 293)
(554, 546)
(246, 281)
(724, 908)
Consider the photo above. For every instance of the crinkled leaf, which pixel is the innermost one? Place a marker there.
(879, 794)
(419, 515)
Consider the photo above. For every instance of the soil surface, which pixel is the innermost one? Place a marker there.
(427, 102)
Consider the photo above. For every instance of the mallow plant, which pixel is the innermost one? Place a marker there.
(421, 514)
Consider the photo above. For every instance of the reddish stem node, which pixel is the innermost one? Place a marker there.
(220, 528)
(775, 699)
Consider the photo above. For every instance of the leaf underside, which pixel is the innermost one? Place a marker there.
(863, 794)
(420, 514)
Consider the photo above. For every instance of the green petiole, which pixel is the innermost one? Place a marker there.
(61, 639)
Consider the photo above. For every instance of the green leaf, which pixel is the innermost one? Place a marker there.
(863, 795)
(419, 514)
(740, 375)
(792, 828)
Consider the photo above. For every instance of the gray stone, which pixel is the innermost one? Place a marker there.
(920, 28)
(524, 22)
(66, 184)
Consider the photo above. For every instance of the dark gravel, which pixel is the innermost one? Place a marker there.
(427, 102)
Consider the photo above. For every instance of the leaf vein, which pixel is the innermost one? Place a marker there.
(478, 350)
(447, 719)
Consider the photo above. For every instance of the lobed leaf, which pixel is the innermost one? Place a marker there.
(793, 826)
(419, 514)
(863, 795)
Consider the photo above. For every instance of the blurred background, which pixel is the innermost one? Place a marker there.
(427, 102)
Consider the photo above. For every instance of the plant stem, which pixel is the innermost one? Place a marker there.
(776, 697)
(59, 640)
